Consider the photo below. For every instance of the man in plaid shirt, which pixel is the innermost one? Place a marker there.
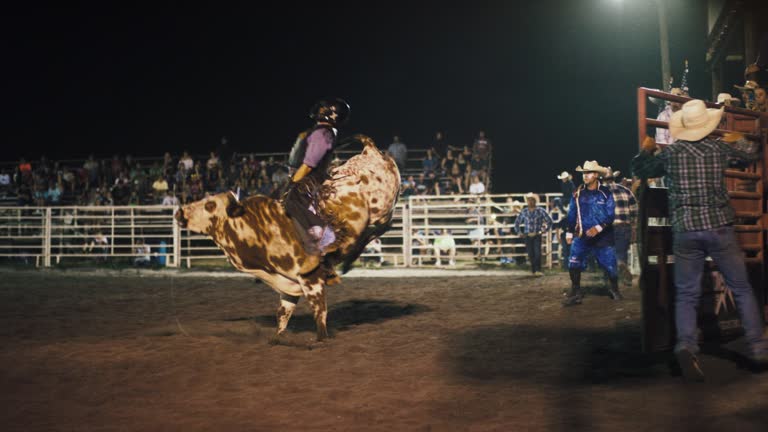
(702, 223)
(624, 222)
(536, 222)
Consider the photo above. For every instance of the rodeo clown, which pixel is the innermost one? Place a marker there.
(309, 160)
(590, 217)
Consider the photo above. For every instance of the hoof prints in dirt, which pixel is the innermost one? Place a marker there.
(555, 356)
(347, 314)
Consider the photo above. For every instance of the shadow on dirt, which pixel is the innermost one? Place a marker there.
(554, 355)
(344, 315)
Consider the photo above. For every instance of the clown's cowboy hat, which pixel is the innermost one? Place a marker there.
(563, 175)
(591, 166)
(694, 121)
(531, 195)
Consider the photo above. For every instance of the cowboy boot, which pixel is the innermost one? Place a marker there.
(575, 296)
(614, 290)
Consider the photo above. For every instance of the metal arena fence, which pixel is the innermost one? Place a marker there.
(481, 228)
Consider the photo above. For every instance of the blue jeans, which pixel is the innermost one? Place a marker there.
(533, 248)
(690, 249)
(622, 237)
(605, 255)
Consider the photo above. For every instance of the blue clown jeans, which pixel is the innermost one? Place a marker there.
(605, 255)
(690, 249)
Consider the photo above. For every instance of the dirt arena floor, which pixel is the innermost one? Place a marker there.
(480, 353)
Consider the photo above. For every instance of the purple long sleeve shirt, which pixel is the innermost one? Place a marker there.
(319, 143)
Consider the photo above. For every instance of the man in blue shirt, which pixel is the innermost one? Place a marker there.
(536, 222)
(590, 230)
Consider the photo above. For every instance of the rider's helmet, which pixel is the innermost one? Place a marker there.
(334, 111)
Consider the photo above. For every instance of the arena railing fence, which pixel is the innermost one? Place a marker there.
(482, 227)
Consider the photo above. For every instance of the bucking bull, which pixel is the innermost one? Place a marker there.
(259, 238)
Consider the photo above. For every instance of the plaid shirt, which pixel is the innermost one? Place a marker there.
(626, 204)
(698, 197)
(535, 221)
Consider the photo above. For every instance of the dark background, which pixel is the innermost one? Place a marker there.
(551, 82)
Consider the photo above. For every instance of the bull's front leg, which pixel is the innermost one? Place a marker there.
(314, 291)
(284, 312)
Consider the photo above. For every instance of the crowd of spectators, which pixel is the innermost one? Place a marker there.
(446, 169)
(123, 180)
(174, 179)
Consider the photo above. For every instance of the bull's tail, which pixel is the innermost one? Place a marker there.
(369, 234)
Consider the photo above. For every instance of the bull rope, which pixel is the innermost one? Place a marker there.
(173, 306)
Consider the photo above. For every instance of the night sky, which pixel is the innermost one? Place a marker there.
(551, 82)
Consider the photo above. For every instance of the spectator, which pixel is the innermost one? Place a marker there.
(566, 188)
(419, 246)
(399, 153)
(143, 251)
(439, 145)
(54, 193)
(624, 224)
(536, 222)
(432, 186)
(476, 187)
(448, 164)
(159, 188)
(761, 103)
(408, 187)
(167, 163)
(482, 148)
(97, 244)
(477, 235)
(5, 182)
(445, 243)
(662, 134)
(186, 161)
(455, 187)
(91, 167)
(213, 162)
(170, 199)
(430, 162)
(373, 248)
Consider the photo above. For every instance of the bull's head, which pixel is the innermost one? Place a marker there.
(204, 215)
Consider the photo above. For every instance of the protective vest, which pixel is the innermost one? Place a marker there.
(299, 150)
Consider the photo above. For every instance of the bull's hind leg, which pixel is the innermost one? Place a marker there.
(314, 290)
(284, 312)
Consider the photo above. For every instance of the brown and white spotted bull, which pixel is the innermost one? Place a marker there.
(259, 238)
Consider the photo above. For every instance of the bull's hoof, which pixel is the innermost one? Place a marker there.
(333, 279)
(275, 340)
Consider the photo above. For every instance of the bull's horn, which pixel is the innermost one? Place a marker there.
(236, 195)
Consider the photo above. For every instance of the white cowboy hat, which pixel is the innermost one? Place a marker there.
(694, 121)
(591, 166)
(610, 173)
(531, 195)
(563, 175)
(723, 98)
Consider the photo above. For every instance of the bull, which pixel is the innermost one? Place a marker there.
(259, 238)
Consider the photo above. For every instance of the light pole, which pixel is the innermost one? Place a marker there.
(664, 43)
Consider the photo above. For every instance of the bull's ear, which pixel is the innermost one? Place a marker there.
(235, 208)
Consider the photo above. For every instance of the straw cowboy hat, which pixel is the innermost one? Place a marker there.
(694, 121)
(591, 166)
(749, 85)
(563, 175)
(610, 173)
(531, 195)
